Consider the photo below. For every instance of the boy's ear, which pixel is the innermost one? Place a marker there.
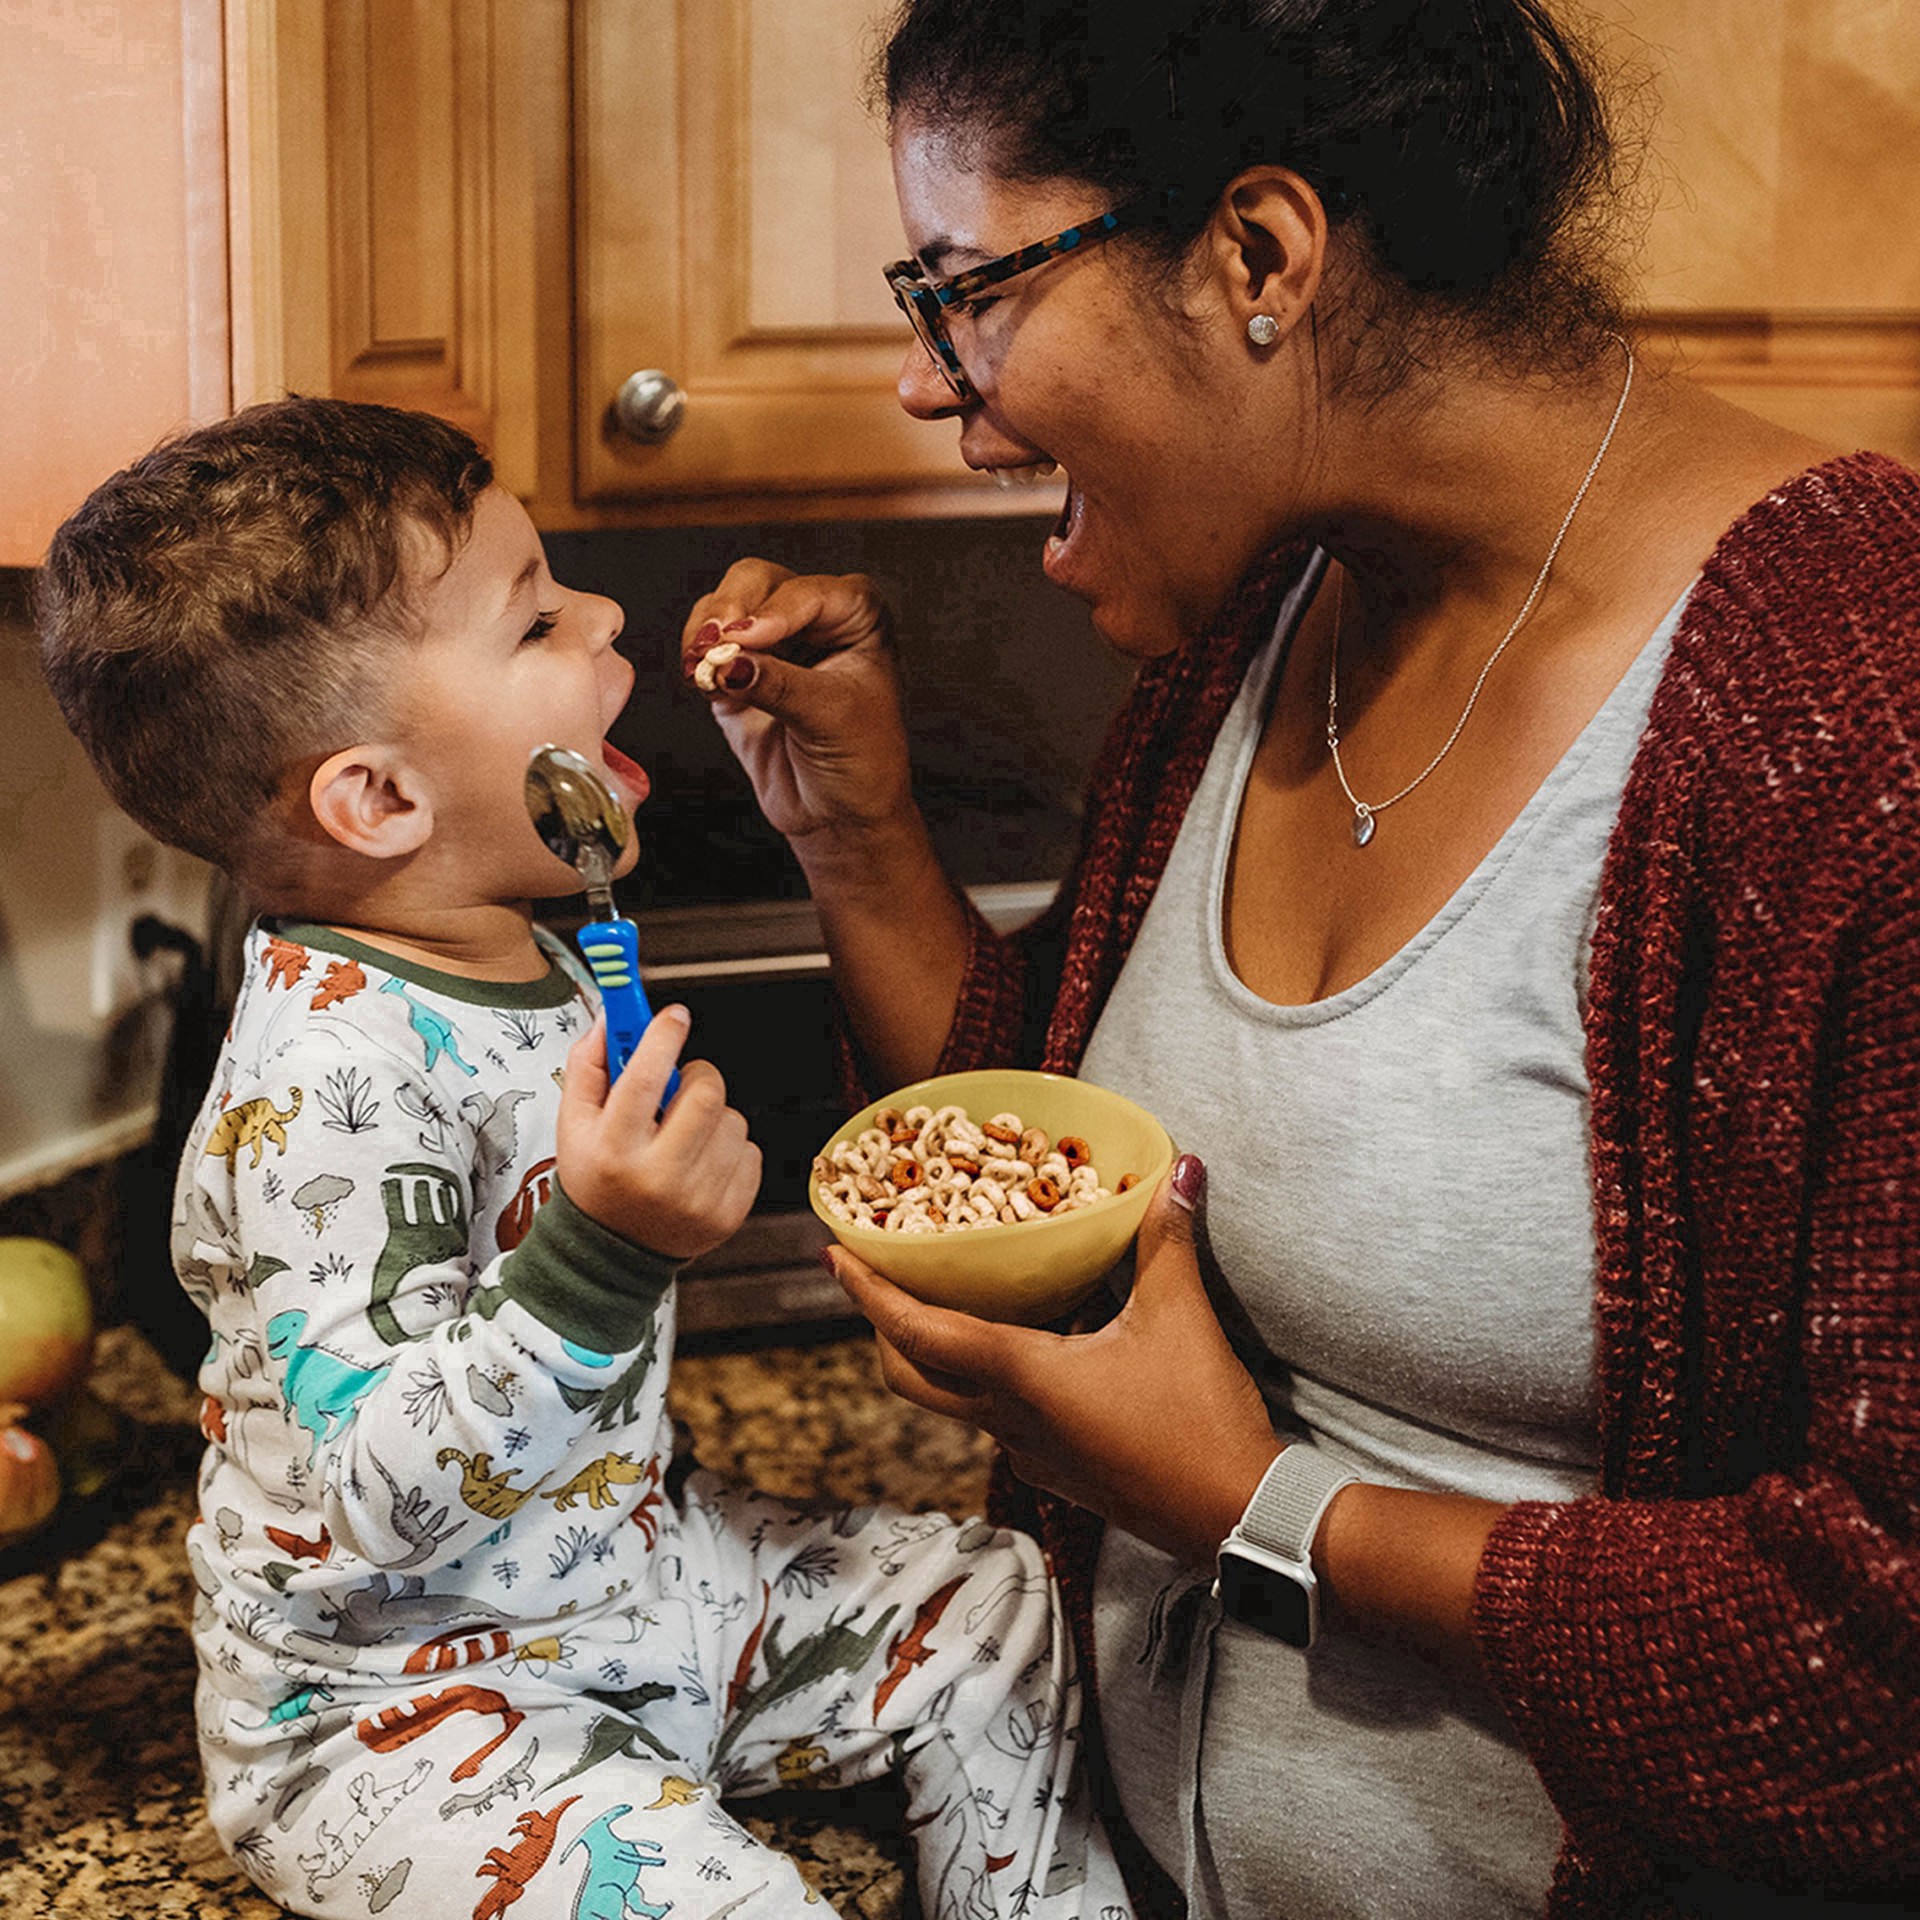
(368, 799)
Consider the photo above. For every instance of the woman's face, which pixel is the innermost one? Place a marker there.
(1136, 391)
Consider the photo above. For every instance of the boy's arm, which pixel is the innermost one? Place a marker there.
(365, 1371)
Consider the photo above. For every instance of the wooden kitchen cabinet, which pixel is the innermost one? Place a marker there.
(400, 214)
(113, 305)
(1782, 263)
(501, 209)
(735, 207)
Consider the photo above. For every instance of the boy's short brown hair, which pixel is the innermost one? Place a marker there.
(221, 610)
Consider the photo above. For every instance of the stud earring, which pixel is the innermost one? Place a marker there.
(1263, 329)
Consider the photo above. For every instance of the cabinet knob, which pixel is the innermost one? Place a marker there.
(648, 408)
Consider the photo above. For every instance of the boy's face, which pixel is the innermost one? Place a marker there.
(509, 660)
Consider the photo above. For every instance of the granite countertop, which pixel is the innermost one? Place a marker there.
(100, 1811)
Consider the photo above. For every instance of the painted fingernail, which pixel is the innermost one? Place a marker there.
(738, 626)
(708, 635)
(1189, 1180)
(738, 675)
(826, 1260)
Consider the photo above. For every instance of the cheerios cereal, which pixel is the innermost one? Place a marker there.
(937, 1170)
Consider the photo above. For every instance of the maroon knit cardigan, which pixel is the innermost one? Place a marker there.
(1714, 1662)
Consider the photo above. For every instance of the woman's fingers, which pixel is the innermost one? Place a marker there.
(759, 606)
(946, 1362)
(1165, 1260)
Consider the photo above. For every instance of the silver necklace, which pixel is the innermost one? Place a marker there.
(1365, 813)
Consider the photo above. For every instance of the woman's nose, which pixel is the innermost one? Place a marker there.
(923, 389)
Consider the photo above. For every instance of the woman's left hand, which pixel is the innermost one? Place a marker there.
(1151, 1421)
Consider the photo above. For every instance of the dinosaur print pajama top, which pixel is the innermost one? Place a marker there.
(468, 1631)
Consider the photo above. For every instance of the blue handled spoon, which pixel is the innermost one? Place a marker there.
(577, 816)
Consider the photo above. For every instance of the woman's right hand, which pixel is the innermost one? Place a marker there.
(815, 715)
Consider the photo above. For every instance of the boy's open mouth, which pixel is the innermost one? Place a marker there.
(628, 775)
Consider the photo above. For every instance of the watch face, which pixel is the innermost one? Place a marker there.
(1261, 1597)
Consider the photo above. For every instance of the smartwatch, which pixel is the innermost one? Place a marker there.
(1266, 1575)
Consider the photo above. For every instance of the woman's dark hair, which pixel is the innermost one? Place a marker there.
(1464, 144)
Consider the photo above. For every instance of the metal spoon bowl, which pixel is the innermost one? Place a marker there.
(575, 812)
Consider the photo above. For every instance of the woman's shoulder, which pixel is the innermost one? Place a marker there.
(1792, 688)
(1832, 539)
(1816, 587)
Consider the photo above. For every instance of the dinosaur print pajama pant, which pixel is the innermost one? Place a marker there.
(584, 1770)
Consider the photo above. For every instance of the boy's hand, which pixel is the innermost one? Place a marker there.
(679, 1184)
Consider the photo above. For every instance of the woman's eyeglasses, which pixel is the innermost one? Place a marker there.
(925, 302)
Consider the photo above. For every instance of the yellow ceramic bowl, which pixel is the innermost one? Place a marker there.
(1038, 1269)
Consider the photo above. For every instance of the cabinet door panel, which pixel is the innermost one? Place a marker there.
(735, 210)
(399, 206)
(113, 304)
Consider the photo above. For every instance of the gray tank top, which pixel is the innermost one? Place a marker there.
(1401, 1228)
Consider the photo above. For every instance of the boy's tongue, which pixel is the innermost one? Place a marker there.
(629, 775)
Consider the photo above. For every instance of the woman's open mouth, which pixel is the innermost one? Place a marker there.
(1057, 553)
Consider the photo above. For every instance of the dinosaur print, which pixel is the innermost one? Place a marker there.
(426, 1211)
(410, 1519)
(516, 1217)
(646, 1510)
(908, 1650)
(519, 1775)
(286, 961)
(321, 1390)
(612, 1734)
(598, 1478)
(611, 1890)
(434, 1029)
(676, 1790)
(383, 1607)
(297, 1548)
(373, 1805)
(511, 1868)
(253, 1123)
(835, 1649)
(738, 1686)
(296, 1706)
(494, 1131)
(485, 1491)
(804, 1763)
(261, 1269)
(393, 1727)
(448, 1650)
(343, 980)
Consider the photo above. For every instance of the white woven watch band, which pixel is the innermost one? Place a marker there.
(1295, 1492)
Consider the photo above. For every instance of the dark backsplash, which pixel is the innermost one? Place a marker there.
(1008, 689)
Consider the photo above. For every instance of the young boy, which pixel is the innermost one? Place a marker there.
(467, 1630)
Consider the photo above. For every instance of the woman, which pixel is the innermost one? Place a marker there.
(1503, 879)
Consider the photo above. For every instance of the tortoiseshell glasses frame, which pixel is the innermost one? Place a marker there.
(926, 302)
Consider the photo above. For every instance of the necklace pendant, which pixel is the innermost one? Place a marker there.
(1363, 824)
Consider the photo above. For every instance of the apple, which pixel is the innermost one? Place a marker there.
(29, 1483)
(46, 1322)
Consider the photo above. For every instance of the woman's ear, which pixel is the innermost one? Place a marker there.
(369, 800)
(1269, 250)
